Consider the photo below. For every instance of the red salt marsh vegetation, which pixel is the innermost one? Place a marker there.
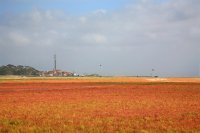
(100, 105)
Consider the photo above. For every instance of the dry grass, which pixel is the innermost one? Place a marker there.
(122, 104)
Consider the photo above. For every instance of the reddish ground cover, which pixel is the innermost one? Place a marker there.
(99, 107)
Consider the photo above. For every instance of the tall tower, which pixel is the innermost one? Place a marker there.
(55, 62)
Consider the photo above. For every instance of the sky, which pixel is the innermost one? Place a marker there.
(127, 37)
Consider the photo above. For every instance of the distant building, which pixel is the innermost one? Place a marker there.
(58, 73)
(55, 72)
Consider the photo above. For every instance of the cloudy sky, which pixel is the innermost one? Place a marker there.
(128, 37)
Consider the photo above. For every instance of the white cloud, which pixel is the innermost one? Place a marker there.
(145, 29)
(36, 16)
(94, 39)
(18, 39)
(100, 12)
(83, 19)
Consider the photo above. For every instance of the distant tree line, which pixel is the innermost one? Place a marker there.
(18, 70)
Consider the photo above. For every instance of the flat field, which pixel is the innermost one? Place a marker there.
(112, 104)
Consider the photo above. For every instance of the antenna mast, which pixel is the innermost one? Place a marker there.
(55, 62)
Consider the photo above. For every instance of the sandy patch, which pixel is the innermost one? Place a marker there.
(156, 79)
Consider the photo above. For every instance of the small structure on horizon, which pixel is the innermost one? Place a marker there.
(55, 72)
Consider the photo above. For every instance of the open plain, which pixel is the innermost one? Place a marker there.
(102, 104)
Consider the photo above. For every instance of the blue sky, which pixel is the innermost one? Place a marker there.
(73, 6)
(76, 7)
